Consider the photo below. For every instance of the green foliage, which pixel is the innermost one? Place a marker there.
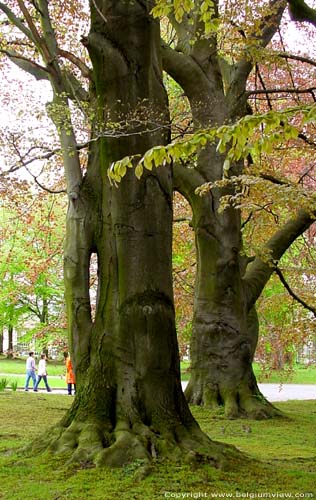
(31, 267)
(203, 11)
(252, 135)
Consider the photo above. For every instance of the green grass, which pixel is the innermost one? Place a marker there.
(299, 374)
(282, 458)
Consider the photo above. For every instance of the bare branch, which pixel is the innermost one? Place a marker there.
(307, 60)
(309, 90)
(35, 178)
(293, 294)
(84, 69)
(183, 219)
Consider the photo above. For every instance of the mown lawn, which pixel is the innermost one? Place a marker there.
(298, 374)
(281, 458)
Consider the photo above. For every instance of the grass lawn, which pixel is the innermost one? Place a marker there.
(281, 458)
(300, 374)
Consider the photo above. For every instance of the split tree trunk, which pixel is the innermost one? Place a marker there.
(129, 403)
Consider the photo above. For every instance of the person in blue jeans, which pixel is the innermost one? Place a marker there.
(42, 373)
(30, 371)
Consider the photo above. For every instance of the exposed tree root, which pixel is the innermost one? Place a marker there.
(240, 402)
(90, 443)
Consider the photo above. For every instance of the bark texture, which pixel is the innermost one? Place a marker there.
(225, 328)
(129, 404)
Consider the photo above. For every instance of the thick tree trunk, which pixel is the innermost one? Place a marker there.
(223, 341)
(224, 331)
(129, 403)
(221, 371)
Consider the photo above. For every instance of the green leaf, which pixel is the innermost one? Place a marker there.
(139, 170)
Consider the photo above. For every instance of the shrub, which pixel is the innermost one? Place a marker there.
(14, 385)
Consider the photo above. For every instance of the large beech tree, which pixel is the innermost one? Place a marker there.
(225, 325)
(129, 403)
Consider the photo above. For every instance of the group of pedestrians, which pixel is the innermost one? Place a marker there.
(42, 373)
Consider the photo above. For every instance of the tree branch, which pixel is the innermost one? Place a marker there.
(259, 272)
(84, 69)
(31, 67)
(269, 26)
(307, 60)
(35, 178)
(299, 11)
(293, 294)
(16, 21)
(183, 69)
(59, 110)
(36, 37)
(309, 90)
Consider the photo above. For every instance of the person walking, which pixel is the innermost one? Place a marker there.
(42, 373)
(30, 371)
(70, 376)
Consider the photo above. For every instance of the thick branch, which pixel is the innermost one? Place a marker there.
(31, 67)
(84, 69)
(17, 22)
(293, 294)
(60, 112)
(269, 26)
(259, 272)
(184, 70)
(300, 11)
(36, 37)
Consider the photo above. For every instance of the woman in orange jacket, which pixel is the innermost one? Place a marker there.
(70, 376)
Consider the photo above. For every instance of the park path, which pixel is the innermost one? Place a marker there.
(284, 392)
(273, 392)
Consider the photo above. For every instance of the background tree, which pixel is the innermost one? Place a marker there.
(31, 268)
